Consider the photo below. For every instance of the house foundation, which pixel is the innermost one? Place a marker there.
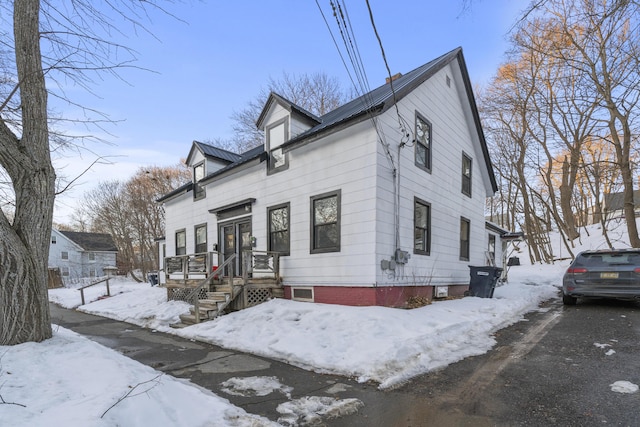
(385, 296)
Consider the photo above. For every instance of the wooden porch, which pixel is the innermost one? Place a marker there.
(213, 289)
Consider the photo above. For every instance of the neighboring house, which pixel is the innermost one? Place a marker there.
(79, 255)
(502, 247)
(375, 202)
(613, 204)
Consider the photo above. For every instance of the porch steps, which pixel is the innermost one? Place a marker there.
(210, 307)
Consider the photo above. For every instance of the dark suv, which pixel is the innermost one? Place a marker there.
(603, 274)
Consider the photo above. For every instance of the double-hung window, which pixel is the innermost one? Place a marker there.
(423, 143)
(279, 237)
(465, 233)
(466, 175)
(422, 227)
(201, 238)
(325, 222)
(277, 134)
(181, 242)
(198, 174)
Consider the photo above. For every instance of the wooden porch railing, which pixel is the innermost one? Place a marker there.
(193, 295)
(188, 265)
(261, 264)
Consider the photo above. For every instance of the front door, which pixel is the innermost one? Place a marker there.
(235, 238)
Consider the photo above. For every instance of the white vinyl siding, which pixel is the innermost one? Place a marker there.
(451, 134)
(354, 161)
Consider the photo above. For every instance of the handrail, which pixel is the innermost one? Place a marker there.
(184, 264)
(196, 290)
(93, 284)
(250, 263)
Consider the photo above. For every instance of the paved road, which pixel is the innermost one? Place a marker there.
(554, 368)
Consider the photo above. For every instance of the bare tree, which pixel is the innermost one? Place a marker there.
(508, 110)
(128, 212)
(24, 154)
(572, 80)
(316, 93)
(70, 44)
(601, 40)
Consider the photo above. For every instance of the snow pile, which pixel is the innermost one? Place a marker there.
(69, 380)
(311, 410)
(382, 344)
(624, 387)
(132, 302)
(372, 343)
(255, 386)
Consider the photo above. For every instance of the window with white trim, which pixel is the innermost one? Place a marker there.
(302, 294)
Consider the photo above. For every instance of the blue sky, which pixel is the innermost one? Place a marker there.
(220, 54)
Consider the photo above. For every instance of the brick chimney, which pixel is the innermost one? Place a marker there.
(392, 78)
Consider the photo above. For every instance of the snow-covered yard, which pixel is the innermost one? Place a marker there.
(382, 344)
(70, 380)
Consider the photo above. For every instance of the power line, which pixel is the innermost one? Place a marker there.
(401, 121)
(356, 71)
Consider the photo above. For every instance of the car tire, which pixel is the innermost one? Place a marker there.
(569, 300)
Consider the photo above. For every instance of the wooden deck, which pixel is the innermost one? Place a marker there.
(194, 279)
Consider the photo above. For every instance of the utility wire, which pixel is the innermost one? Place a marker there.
(347, 35)
(401, 121)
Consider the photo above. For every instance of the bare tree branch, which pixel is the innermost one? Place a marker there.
(155, 380)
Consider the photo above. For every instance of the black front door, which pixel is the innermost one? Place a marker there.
(235, 238)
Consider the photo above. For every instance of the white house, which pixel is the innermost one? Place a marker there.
(81, 255)
(375, 202)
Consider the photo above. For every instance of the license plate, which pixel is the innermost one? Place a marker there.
(608, 275)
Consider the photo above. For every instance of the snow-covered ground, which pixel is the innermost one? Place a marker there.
(70, 380)
(382, 344)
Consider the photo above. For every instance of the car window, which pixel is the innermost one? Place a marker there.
(606, 260)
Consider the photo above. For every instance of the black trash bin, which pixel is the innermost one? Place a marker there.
(153, 278)
(483, 281)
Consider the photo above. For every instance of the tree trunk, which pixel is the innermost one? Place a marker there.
(24, 243)
(566, 194)
(622, 144)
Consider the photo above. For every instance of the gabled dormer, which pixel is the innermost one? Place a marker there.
(205, 159)
(282, 120)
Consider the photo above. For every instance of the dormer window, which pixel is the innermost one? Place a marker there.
(198, 174)
(277, 134)
(278, 158)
